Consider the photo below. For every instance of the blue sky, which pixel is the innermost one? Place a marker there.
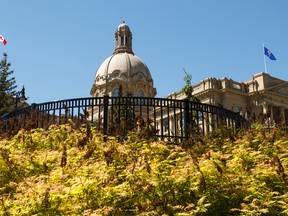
(55, 47)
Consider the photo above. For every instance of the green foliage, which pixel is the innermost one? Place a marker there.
(7, 86)
(123, 116)
(188, 89)
(64, 171)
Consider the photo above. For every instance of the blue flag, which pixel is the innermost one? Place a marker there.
(268, 53)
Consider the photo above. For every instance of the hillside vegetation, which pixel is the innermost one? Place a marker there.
(67, 171)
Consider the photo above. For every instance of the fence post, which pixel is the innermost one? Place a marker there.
(105, 115)
(34, 111)
(237, 119)
(186, 118)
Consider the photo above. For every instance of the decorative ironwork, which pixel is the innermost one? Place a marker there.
(168, 119)
(20, 97)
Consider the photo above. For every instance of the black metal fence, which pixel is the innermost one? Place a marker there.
(168, 119)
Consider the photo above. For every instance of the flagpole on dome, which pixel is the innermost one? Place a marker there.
(265, 65)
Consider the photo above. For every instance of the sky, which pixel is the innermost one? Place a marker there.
(55, 47)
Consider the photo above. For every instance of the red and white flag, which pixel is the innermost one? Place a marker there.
(2, 39)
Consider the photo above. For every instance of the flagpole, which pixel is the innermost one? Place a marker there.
(263, 50)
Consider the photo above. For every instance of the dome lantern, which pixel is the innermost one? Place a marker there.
(123, 39)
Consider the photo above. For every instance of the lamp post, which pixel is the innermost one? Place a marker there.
(20, 97)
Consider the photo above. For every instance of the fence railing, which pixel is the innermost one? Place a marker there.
(168, 119)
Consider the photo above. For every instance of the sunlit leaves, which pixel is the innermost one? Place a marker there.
(222, 174)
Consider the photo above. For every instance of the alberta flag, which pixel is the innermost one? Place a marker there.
(268, 53)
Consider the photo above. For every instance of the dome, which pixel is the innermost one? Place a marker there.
(123, 26)
(123, 68)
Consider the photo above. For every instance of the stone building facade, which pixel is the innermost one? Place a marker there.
(262, 99)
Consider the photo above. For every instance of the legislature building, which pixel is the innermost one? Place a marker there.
(262, 99)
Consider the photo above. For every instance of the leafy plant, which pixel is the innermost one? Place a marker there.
(63, 170)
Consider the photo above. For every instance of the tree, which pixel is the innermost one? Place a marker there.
(7, 86)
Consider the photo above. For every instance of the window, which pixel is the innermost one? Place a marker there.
(238, 109)
(140, 77)
(140, 93)
(200, 115)
(116, 73)
(115, 92)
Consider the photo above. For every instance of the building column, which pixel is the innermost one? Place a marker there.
(271, 115)
(286, 116)
(265, 108)
(171, 125)
(283, 117)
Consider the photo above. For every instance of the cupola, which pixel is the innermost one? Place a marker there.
(123, 68)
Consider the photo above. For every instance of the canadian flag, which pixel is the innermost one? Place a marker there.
(2, 39)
